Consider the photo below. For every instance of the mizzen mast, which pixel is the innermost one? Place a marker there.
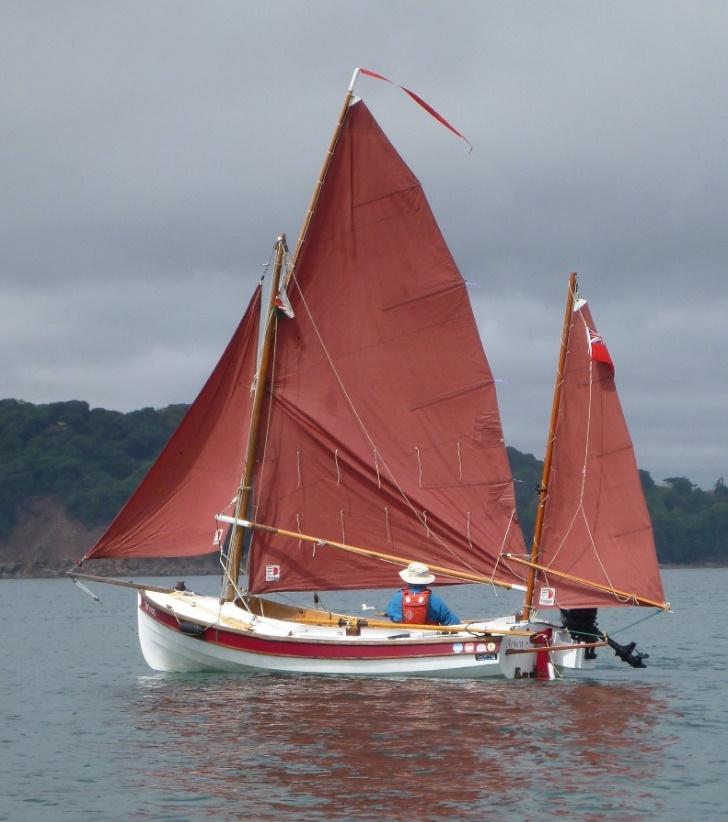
(546, 474)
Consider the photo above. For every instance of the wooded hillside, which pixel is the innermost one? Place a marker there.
(66, 469)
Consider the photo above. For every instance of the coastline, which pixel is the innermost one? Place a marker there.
(208, 565)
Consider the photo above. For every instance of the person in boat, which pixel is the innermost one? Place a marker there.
(416, 603)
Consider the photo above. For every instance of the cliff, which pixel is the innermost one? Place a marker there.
(47, 542)
(66, 470)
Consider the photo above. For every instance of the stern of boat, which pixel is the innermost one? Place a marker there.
(572, 659)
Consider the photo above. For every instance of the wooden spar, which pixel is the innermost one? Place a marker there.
(322, 175)
(537, 648)
(543, 488)
(366, 552)
(587, 583)
(245, 493)
(121, 583)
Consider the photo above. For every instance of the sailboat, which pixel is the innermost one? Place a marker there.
(363, 434)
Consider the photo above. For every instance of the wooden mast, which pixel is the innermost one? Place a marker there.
(243, 502)
(543, 488)
(244, 494)
(322, 174)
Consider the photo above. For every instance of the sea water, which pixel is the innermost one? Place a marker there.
(89, 732)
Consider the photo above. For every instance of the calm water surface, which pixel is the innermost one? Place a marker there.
(89, 732)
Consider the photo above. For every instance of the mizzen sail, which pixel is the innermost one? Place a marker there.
(382, 428)
(172, 512)
(596, 525)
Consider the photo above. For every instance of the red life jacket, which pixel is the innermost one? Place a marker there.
(414, 606)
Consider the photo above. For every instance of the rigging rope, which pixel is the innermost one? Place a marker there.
(654, 613)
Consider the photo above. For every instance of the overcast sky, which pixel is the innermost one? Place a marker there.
(152, 151)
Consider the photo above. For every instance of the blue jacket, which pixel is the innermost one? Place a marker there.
(437, 612)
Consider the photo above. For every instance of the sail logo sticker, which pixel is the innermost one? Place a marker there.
(547, 596)
(457, 648)
(272, 573)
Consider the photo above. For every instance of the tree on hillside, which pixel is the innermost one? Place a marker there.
(92, 459)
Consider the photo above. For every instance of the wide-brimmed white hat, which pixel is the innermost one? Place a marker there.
(417, 573)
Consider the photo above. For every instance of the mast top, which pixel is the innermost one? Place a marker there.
(354, 77)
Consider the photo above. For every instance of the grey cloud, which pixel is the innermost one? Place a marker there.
(152, 152)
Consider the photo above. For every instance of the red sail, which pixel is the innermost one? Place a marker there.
(172, 512)
(383, 428)
(596, 524)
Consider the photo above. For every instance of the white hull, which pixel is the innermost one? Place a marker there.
(232, 639)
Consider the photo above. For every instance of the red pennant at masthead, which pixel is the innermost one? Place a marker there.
(420, 102)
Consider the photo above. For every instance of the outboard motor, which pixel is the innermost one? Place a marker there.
(627, 653)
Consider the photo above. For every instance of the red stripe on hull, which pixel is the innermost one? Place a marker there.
(327, 649)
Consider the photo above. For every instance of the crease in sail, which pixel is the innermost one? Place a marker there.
(374, 365)
(424, 296)
(172, 512)
(450, 395)
(596, 524)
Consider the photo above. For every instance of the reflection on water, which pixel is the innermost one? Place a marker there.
(314, 748)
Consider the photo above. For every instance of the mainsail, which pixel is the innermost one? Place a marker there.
(382, 428)
(596, 525)
(172, 512)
